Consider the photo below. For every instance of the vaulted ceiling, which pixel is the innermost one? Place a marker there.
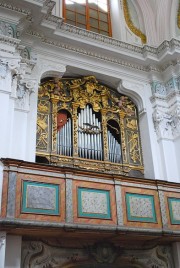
(158, 19)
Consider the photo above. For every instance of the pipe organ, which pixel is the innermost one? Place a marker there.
(89, 135)
(84, 124)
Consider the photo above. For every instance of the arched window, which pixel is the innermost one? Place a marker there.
(93, 15)
(85, 124)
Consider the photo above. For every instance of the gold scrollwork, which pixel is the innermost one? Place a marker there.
(131, 123)
(130, 24)
(42, 132)
(75, 130)
(134, 148)
(54, 123)
(178, 16)
(90, 129)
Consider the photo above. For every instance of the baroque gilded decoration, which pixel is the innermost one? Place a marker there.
(178, 16)
(130, 24)
(84, 124)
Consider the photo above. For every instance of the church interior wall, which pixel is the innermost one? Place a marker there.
(41, 45)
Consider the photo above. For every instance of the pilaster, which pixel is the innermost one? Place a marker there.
(166, 118)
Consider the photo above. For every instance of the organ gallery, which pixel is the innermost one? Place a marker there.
(82, 123)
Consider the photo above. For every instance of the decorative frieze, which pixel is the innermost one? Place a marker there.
(51, 254)
(15, 8)
(164, 89)
(158, 88)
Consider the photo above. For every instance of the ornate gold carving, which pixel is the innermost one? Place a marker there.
(90, 129)
(126, 106)
(130, 24)
(75, 94)
(75, 130)
(131, 123)
(104, 130)
(54, 123)
(43, 106)
(178, 16)
(133, 144)
(42, 125)
(123, 137)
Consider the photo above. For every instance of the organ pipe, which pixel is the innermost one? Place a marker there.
(114, 152)
(64, 139)
(89, 138)
(89, 134)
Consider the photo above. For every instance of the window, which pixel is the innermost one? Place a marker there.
(92, 15)
(84, 124)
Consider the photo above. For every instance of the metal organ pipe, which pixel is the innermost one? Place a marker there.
(114, 152)
(89, 138)
(64, 139)
(89, 135)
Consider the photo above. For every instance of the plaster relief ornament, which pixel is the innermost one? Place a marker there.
(104, 252)
(24, 90)
(14, 66)
(158, 88)
(36, 254)
(163, 124)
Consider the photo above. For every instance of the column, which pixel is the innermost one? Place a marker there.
(13, 251)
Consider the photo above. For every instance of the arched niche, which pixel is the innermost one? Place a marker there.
(140, 94)
(102, 124)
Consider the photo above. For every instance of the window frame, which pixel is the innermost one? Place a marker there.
(87, 24)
